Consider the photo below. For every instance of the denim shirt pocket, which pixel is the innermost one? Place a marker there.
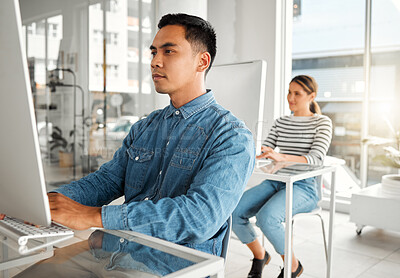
(138, 166)
(183, 160)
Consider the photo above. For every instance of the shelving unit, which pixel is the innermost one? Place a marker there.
(59, 116)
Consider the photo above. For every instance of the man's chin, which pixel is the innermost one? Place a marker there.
(161, 92)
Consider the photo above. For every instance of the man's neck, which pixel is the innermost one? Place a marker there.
(179, 99)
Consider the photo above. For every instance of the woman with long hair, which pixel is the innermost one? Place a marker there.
(303, 137)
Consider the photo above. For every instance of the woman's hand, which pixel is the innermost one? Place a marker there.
(267, 152)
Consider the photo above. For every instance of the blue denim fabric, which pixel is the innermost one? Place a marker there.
(124, 254)
(266, 202)
(182, 172)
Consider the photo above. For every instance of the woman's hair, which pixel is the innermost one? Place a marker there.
(309, 85)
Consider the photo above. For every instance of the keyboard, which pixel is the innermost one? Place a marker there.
(22, 232)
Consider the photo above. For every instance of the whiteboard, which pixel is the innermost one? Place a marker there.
(240, 88)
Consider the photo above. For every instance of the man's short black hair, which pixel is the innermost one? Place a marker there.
(198, 32)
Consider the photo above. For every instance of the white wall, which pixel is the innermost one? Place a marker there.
(193, 7)
(251, 30)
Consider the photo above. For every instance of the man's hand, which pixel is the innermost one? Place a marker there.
(267, 152)
(2, 216)
(72, 214)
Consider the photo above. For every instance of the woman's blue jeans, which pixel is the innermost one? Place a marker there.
(266, 202)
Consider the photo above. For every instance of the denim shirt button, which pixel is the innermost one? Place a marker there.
(160, 172)
(176, 112)
(146, 198)
(136, 158)
(121, 240)
(167, 143)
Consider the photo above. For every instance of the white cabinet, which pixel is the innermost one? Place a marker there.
(373, 208)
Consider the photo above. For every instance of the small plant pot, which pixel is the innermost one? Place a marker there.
(66, 159)
(391, 185)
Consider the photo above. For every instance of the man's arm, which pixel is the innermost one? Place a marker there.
(107, 183)
(78, 204)
(199, 214)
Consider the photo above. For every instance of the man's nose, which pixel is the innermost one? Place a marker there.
(156, 61)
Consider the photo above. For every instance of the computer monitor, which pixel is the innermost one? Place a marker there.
(240, 88)
(22, 184)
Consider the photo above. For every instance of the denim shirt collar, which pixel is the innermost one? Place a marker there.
(194, 106)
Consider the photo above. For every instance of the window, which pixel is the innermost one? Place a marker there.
(328, 44)
(128, 56)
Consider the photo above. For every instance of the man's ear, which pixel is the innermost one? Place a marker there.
(204, 61)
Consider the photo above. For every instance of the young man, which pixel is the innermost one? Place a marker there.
(182, 169)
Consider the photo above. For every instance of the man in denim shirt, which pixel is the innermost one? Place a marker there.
(183, 169)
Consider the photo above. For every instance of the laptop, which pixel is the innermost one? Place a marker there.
(22, 184)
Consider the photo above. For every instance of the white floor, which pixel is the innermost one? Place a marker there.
(376, 253)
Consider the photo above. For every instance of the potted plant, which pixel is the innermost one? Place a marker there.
(66, 149)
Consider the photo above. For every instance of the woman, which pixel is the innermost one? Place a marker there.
(304, 137)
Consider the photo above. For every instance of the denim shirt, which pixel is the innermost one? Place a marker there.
(182, 172)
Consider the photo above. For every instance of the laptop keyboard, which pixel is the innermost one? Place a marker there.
(22, 232)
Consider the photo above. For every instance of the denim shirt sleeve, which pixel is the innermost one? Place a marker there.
(213, 195)
(107, 183)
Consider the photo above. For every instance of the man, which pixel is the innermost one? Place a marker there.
(182, 169)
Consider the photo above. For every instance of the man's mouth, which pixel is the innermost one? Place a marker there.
(157, 76)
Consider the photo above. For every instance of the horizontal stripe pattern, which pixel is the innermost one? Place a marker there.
(303, 136)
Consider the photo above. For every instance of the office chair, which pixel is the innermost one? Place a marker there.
(225, 241)
(315, 212)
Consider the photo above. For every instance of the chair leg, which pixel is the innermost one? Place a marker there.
(324, 236)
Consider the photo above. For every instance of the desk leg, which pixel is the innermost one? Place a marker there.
(288, 231)
(331, 221)
(4, 249)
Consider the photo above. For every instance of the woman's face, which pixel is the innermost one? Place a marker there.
(298, 99)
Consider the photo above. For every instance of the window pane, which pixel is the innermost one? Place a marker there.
(36, 56)
(147, 35)
(385, 89)
(96, 47)
(54, 37)
(328, 44)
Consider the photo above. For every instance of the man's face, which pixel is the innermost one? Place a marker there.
(174, 65)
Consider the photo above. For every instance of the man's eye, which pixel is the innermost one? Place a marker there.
(153, 53)
(168, 51)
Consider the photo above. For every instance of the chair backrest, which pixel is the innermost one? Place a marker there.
(328, 161)
(225, 241)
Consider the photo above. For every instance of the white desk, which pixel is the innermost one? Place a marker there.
(122, 253)
(286, 172)
(11, 258)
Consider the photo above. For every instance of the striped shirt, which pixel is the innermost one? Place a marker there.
(303, 136)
